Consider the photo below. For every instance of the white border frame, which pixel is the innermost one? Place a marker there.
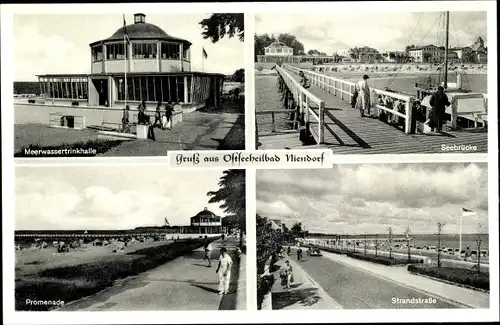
(251, 316)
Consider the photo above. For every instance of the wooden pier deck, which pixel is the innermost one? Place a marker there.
(348, 133)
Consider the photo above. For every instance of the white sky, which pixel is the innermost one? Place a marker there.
(118, 197)
(381, 30)
(45, 44)
(352, 199)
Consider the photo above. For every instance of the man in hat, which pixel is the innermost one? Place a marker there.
(438, 102)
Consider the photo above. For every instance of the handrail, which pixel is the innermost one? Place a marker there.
(273, 120)
(304, 98)
(337, 86)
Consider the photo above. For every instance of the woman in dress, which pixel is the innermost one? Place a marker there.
(363, 101)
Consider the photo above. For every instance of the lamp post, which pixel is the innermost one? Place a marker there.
(478, 242)
(408, 243)
(390, 242)
(440, 227)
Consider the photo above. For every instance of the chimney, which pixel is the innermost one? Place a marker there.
(139, 18)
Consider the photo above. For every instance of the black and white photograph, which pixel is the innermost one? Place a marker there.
(127, 238)
(363, 83)
(369, 236)
(138, 84)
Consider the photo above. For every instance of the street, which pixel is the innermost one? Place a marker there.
(353, 288)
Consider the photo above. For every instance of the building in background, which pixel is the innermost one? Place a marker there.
(157, 66)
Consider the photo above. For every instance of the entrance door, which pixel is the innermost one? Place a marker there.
(102, 89)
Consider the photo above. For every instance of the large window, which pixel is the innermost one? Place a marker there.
(185, 53)
(97, 53)
(115, 51)
(170, 51)
(144, 51)
(64, 88)
(153, 88)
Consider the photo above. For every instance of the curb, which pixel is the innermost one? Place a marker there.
(241, 292)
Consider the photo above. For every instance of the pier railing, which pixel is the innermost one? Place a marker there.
(304, 98)
(395, 104)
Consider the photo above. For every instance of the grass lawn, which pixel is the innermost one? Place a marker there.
(467, 277)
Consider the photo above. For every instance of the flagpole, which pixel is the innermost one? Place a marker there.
(460, 236)
(125, 61)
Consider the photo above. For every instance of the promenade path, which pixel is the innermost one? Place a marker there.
(304, 292)
(355, 284)
(186, 283)
(348, 133)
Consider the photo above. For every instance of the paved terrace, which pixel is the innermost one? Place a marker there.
(348, 133)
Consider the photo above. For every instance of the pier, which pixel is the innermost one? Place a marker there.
(322, 117)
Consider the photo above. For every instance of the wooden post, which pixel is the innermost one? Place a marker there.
(322, 122)
(273, 127)
(409, 116)
(454, 113)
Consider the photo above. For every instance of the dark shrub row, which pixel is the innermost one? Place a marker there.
(461, 276)
(382, 259)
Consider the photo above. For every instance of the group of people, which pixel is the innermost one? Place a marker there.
(223, 268)
(161, 121)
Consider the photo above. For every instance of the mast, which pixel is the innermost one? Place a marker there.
(447, 15)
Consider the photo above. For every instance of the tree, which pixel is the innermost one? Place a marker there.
(238, 76)
(291, 40)
(297, 229)
(409, 47)
(232, 193)
(220, 25)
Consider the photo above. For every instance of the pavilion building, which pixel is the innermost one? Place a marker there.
(157, 66)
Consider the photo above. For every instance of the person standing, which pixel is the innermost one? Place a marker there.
(439, 101)
(299, 254)
(169, 109)
(224, 271)
(158, 116)
(125, 120)
(288, 273)
(363, 99)
(208, 251)
(141, 116)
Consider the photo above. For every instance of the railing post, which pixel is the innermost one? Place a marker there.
(409, 115)
(273, 127)
(454, 111)
(321, 122)
(341, 89)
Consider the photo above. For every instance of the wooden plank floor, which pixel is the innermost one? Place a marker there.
(348, 133)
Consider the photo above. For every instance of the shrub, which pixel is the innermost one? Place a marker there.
(31, 101)
(382, 259)
(75, 103)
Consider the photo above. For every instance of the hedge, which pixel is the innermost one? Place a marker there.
(467, 277)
